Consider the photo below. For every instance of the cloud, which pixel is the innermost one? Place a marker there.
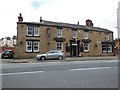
(102, 12)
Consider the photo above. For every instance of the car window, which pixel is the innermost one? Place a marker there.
(56, 52)
(50, 52)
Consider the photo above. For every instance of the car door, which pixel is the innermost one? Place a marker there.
(50, 55)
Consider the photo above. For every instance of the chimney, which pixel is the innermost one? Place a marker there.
(89, 23)
(41, 19)
(20, 18)
(78, 23)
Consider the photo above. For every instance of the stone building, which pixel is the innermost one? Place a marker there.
(74, 39)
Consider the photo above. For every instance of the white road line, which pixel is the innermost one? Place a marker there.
(4, 74)
(83, 69)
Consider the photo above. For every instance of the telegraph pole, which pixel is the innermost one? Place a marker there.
(118, 28)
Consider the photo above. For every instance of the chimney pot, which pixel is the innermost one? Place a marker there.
(78, 23)
(41, 19)
(20, 18)
(89, 23)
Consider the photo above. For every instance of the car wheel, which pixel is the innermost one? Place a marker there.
(2, 57)
(42, 58)
(60, 57)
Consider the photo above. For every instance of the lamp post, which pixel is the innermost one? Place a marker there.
(118, 28)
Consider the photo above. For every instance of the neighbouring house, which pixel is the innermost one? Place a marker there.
(74, 39)
(7, 43)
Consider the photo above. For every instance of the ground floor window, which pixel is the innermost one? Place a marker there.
(32, 46)
(107, 47)
(86, 47)
(59, 45)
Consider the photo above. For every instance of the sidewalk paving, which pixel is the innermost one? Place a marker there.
(66, 59)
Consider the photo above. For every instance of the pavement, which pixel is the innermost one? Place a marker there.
(4, 61)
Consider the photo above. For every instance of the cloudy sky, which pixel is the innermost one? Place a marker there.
(103, 13)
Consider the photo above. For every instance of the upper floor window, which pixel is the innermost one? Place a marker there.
(36, 31)
(59, 32)
(107, 36)
(74, 34)
(32, 31)
(29, 31)
(86, 35)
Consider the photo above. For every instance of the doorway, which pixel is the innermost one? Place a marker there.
(74, 48)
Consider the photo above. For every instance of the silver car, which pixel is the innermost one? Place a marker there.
(53, 54)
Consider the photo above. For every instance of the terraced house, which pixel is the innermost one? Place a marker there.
(73, 39)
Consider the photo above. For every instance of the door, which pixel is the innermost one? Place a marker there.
(74, 50)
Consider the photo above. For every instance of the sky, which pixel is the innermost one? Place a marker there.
(103, 13)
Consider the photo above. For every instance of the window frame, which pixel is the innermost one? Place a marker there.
(59, 33)
(29, 29)
(37, 45)
(109, 48)
(59, 45)
(32, 46)
(86, 45)
(33, 31)
(27, 46)
(36, 29)
(107, 36)
(86, 35)
(74, 34)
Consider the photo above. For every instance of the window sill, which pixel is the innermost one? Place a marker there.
(32, 36)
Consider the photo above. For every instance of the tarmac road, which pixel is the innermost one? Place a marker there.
(73, 74)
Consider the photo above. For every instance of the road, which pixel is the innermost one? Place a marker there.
(72, 74)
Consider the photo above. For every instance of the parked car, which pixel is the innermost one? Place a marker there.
(9, 54)
(53, 54)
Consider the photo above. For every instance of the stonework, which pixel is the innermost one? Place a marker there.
(71, 46)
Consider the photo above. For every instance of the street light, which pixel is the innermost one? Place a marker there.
(118, 27)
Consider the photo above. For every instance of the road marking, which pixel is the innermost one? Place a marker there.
(83, 69)
(4, 74)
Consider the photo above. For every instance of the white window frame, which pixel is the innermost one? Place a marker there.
(35, 44)
(28, 44)
(86, 45)
(30, 29)
(59, 32)
(86, 35)
(74, 34)
(59, 45)
(32, 44)
(107, 36)
(105, 47)
(36, 31)
(110, 48)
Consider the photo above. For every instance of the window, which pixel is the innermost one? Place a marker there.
(86, 47)
(35, 46)
(59, 46)
(110, 48)
(32, 46)
(36, 31)
(32, 31)
(104, 47)
(59, 32)
(29, 46)
(86, 34)
(74, 34)
(107, 48)
(107, 36)
(29, 31)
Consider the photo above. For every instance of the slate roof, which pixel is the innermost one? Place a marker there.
(67, 25)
